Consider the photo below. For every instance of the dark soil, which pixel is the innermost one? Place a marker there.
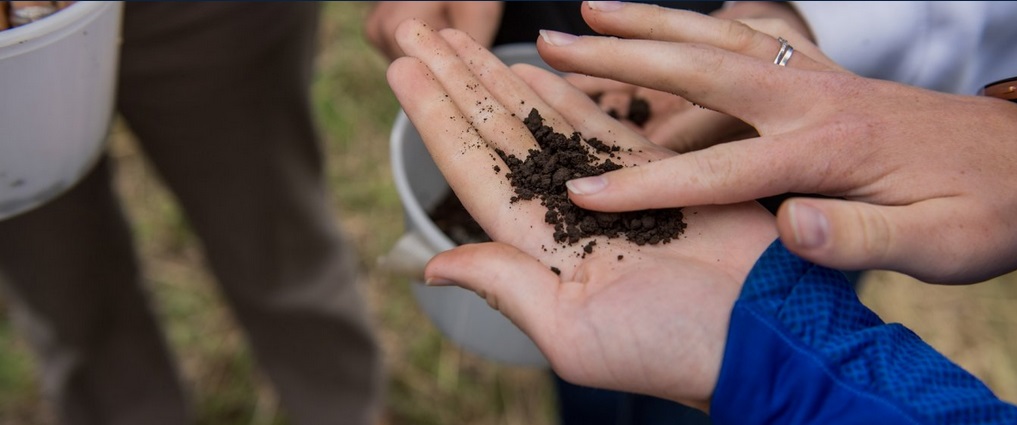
(455, 222)
(639, 110)
(542, 176)
(543, 173)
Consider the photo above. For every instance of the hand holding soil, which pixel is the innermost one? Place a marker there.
(672, 300)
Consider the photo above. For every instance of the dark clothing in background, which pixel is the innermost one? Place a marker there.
(217, 95)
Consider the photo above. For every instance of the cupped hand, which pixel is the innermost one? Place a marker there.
(650, 319)
(479, 19)
(927, 179)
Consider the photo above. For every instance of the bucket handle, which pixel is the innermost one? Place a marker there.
(408, 256)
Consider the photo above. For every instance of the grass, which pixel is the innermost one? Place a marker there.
(430, 380)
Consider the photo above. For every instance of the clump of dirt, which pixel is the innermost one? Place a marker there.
(543, 173)
(542, 176)
(639, 111)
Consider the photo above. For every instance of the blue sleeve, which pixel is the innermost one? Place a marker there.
(802, 349)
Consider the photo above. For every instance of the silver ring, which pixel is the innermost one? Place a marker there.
(26, 15)
(784, 54)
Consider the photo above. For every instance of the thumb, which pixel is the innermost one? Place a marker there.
(847, 235)
(834, 233)
(511, 281)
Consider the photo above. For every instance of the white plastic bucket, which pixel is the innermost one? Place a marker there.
(461, 315)
(57, 86)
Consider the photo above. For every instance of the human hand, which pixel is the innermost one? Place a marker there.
(927, 178)
(479, 19)
(674, 122)
(642, 318)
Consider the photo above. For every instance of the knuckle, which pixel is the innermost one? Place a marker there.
(716, 172)
(876, 236)
(742, 37)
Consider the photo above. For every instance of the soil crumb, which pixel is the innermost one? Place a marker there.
(542, 176)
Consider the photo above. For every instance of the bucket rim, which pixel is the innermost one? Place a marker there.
(419, 218)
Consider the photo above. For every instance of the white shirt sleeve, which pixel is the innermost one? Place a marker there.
(954, 47)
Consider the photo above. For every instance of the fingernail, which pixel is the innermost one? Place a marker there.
(605, 6)
(586, 185)
(438, 281)
(811, 227)
(556, 38)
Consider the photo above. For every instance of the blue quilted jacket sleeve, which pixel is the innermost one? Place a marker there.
(802, 349)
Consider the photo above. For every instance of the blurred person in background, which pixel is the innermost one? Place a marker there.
(218, 97)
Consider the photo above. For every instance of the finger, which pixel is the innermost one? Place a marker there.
(727, 173)
(779, 28)
(698, 128)
(479, 19)
(448, 136)
(512, 282)
(380, 26)
(498, 83)
(563, 107)
(684, 128)
(452, 142)
(914, 239)
(585, 115)
(558, 102)
(756, 91)
(500, 127)
(593, 85)
(385, 17)
(652, 22)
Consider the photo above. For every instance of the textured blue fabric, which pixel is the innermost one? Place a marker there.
(802, 349)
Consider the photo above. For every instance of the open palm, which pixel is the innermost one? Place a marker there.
(627, 317)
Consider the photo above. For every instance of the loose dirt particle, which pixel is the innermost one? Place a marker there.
(543, 173)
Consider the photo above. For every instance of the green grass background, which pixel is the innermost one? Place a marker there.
(431, 381)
